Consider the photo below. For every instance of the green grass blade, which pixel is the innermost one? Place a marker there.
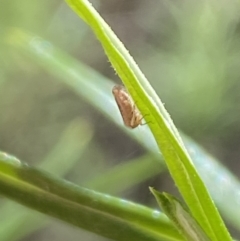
(177, 159)
(59, 161)
(18, 222)
(26, 221)
(99, 213)
(181, 218)
(83, 80)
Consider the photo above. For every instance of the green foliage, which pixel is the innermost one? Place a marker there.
(166, 135)
(180, 217)
(65, 201)
(99, 213)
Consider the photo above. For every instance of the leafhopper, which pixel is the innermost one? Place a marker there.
(130, 113)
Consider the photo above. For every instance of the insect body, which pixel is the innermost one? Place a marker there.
(130, 113)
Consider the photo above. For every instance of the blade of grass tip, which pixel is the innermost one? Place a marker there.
(103, 214)
(75, 74)
(177, 159)
(180, 217)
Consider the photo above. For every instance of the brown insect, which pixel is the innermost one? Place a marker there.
(130, 113)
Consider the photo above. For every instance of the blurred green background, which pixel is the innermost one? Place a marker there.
(190, 52)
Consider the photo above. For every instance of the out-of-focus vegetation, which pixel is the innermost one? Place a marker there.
(190, 52)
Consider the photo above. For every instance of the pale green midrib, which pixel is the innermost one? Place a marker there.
(18, 182)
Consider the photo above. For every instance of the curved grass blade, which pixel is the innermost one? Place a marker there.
(83, 80)
(99, 213)
(18, 222)
(177, 159)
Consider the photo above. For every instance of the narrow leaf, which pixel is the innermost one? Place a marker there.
(83, 80)
(180, 217)
(99, 213)
(177, 159)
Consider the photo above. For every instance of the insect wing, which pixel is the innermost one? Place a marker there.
(130, 114)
